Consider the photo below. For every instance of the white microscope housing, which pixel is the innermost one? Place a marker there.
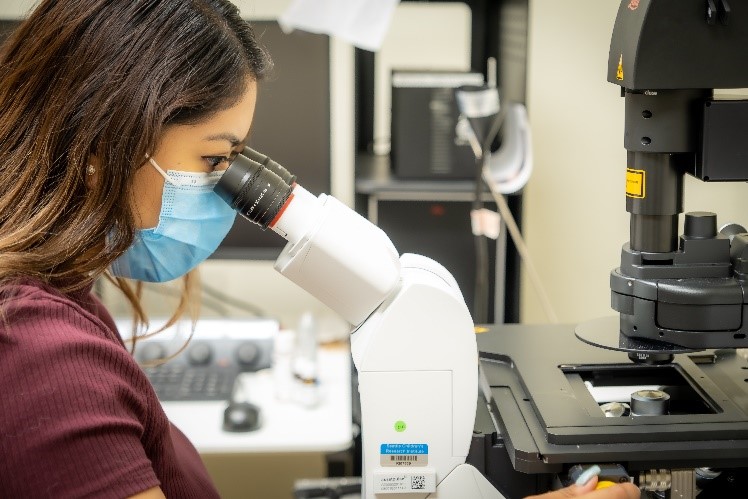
(413, 339)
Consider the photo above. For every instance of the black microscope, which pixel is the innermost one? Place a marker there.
(675, 420)
(679, 293)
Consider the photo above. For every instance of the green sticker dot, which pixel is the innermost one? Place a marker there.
(400, 426)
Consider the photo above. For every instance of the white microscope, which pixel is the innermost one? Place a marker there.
(413, 341)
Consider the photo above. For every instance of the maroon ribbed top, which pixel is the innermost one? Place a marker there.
(78, 416)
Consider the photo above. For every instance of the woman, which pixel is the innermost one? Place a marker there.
(106, 108)
(116, 119)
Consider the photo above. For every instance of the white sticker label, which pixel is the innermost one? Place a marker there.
(485, 223)
(398, 482)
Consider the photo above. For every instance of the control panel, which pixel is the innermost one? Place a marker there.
(207, 365)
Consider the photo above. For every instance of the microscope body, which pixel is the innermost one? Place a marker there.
(669, 56)
(413, 346)
(417, 367)
(413, 340)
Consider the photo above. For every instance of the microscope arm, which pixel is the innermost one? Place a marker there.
(413, 341)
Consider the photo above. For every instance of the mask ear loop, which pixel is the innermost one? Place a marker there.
(162, 172)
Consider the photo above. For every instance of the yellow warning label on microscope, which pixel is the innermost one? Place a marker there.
(635, 183)
(619, 71)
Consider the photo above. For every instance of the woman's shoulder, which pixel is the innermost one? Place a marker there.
(29, 306)
(75, 398)
(56, 353)
(29, 290)
(42, 329)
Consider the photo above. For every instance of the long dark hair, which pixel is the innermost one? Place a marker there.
(102, 77)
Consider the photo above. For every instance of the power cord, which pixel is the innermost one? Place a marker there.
(230, 300)
(213, 299)
(519, 243)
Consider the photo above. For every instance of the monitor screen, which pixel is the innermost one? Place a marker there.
(6, 27)
(291, 125)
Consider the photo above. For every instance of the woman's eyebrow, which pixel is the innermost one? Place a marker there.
(229, 137)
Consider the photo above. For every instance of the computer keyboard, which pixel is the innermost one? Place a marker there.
(206, 367)
(180, 382)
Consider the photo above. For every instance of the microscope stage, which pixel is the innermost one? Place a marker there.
(549, 392)
(605, 332)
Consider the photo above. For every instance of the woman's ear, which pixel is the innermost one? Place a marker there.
(92, 171)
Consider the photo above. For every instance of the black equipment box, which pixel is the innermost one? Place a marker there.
(425, 144)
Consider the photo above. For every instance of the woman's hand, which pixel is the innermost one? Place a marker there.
(587, 491)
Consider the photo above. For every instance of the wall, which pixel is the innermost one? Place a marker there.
(574, 211)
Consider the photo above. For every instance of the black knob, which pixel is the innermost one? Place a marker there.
(247, 354)
(700, 225)
(200, 354)
(152, 351)
(731, 230)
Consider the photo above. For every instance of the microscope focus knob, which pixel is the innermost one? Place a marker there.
(700, 225)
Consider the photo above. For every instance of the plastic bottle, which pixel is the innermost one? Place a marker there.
(306, 390)
(283, 353)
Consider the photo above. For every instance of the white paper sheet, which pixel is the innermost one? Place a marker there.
(362, 23)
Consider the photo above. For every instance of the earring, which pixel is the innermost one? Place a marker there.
(91, 170)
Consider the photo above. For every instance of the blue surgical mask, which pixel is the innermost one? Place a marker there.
(192, 223)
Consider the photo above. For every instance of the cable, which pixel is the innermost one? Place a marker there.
(480, 300)
(212, 304)
(213, 299)
(230, 300)
(519, 242)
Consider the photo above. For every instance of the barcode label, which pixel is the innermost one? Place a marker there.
(404, 454)
(405, 460)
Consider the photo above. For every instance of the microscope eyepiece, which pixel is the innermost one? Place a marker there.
(271, 165)
(253, 190)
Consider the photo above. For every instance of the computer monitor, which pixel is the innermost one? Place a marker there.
(291, 125)
(6, 27)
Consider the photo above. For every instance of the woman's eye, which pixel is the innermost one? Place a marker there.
(216, 161)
